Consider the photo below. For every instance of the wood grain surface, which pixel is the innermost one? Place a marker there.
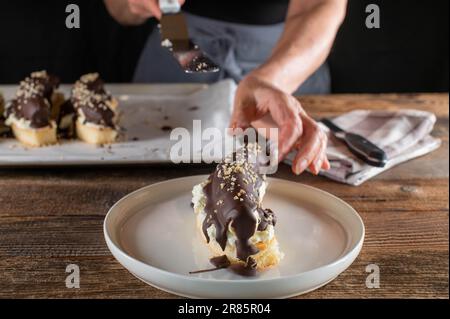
(51, 217)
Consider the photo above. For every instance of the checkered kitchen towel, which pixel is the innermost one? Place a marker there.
(403, 135)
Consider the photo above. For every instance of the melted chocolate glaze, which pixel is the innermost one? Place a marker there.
(35, 109)
(232, 199)
(98, 113)
(247, 270)
(65, 110)
(33, 99)
(220, 261)
(269, 218)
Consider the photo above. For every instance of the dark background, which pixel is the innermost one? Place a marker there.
(409, 53)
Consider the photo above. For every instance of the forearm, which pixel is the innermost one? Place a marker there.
(120, 11)
(309, 33)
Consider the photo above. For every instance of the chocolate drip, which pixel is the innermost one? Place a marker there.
(232, 200)
(220, 261)
(66, 109)
(248, 270)
(66, 130)
(267, 217)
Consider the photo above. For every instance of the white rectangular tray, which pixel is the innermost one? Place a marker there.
(147, 113)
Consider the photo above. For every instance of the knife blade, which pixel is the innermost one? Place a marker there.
(359, 145)
(175, 38)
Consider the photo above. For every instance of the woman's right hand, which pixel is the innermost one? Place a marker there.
(256, 97)
(146, 8)
(134, 12)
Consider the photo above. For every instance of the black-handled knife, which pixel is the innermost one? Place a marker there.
(359, 145)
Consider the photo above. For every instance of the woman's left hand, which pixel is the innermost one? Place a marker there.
(256, 97)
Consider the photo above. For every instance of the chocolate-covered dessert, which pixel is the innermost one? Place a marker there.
(2, 104)
(29, 114)
(231, 217)
(5, 130)
(96, 110)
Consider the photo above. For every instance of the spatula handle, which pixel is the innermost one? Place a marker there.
(365, 150)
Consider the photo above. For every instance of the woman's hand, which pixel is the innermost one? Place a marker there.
(134, 12)
(147, 8)
(256, 97)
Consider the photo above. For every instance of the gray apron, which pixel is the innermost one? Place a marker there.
(236, 48)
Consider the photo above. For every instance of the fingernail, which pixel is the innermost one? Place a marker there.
(318, 166)
(302, 166)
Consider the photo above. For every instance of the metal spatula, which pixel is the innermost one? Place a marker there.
(175, 37)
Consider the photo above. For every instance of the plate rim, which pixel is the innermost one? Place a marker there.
(357, 247)
(196, 297)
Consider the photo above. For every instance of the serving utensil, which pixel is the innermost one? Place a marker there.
(359, 145)
(175, 38)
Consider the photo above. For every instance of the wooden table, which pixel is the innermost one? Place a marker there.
(51, 217)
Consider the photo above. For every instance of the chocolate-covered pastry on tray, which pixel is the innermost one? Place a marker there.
(96, 111)
(4, 130)
(2, 104)
(228, 208)
(31, 112)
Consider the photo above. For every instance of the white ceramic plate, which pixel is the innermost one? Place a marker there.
(152, 233)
